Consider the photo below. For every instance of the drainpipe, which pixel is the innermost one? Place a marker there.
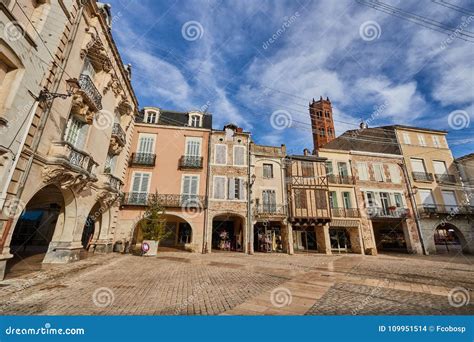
(43, 120)
(206, 211)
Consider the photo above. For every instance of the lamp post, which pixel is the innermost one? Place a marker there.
(72, 85)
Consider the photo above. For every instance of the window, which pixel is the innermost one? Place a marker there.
(88, 68)
(342, 169)
(319, 113)
(322, 132)
(436, 142)
(327, 114)
(329, 170)
(140, 187)
(300, 198)
(221, 154)
(110, 162)
(398, 200)
(346, 197)
(219, 187)
(193, 147)
(146, 143)
(333, 199)
(76, 132)
(151, 117)
(406, 138)
(321, 202)
(418, 165)
(370, 199)
(426, 198)
(362, 171)
(378, 172)
(440, 167)
(307, 169)
(449, 199)
(195, 120)
(189, 190)
(269, 201)
(239, 155)
(235, 189)
(394, 173)
(421, 140)
(267, 171)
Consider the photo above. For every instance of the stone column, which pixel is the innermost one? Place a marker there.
(356, 240)
(289, 238)
(322, 239)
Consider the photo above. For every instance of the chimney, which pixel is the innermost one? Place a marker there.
(306, 152)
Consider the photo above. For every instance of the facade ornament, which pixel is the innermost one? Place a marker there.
(115, 147)
(66, 179)
(81, 109)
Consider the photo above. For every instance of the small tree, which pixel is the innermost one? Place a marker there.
(153, 225)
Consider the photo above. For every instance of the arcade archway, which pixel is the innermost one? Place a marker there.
(228, 233)
(448, 239)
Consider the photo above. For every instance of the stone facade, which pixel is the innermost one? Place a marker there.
(71, 166)
(228, 226)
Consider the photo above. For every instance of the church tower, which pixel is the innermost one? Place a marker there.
(322, 123)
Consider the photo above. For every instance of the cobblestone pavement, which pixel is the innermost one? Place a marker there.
(233, 283)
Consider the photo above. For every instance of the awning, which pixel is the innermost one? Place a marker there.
(344, 223)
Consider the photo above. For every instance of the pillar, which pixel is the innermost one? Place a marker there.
(322, 239)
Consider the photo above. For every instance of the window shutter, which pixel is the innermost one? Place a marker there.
(194, 185)
(136, 182)
(231, 188)
(145, 180)
(186, 185)
(239, 155)
(241, 188)
(219, 188)
(220, 154)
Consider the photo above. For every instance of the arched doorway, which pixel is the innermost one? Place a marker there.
(34, 230)
(448, 239)
(228, 233)
(180, 235)
(92, 227)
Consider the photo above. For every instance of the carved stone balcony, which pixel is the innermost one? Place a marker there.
(69, 166)
(345, 212)
(423, 177)
(113, 183)
(87, 99)
(445, 178)
(190, 162)
(143, 159)
(118, 139)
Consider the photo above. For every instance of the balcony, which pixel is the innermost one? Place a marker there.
(423, 177)
(345, 212)
(166, 200)
(143, 159)
(336, 179)
(445, 178)
(439, 209)
(75, 158)
(113, 183)
(119, 134)
(190, 162)
(89, 92)
(387, 213)
(270, 210)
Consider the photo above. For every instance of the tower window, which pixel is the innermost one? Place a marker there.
(327, 114)
(319, 114)
(322, 132)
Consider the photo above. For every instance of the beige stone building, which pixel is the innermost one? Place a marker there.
(60, 195)
(169, 157)
(445, 216)
(268, 198)
(308, 209)
(465, 165)
(228, 226)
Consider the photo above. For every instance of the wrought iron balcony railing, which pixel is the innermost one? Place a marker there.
(166, 200)
(422, 176)
(190, 162)
(428, 209)
(63, 150)
(270, 209)
(114, 182)
(345, 212)
(445, 178)
(380, 212)
(336, 179)
(119, 134)
(144, 159)
(90, 92)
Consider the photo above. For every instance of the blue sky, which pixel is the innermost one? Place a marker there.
(258, 64)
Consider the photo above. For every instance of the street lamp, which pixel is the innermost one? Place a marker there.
(71, 86)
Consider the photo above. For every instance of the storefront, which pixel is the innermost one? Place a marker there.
(268, 237)
(227, 233)
(304, 239)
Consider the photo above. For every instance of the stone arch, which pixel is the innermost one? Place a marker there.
(449, 239)
(228, 231)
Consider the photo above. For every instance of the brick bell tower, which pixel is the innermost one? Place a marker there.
(322, 123)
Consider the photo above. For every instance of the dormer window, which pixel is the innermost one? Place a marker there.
(195, 120)
(151, 117)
